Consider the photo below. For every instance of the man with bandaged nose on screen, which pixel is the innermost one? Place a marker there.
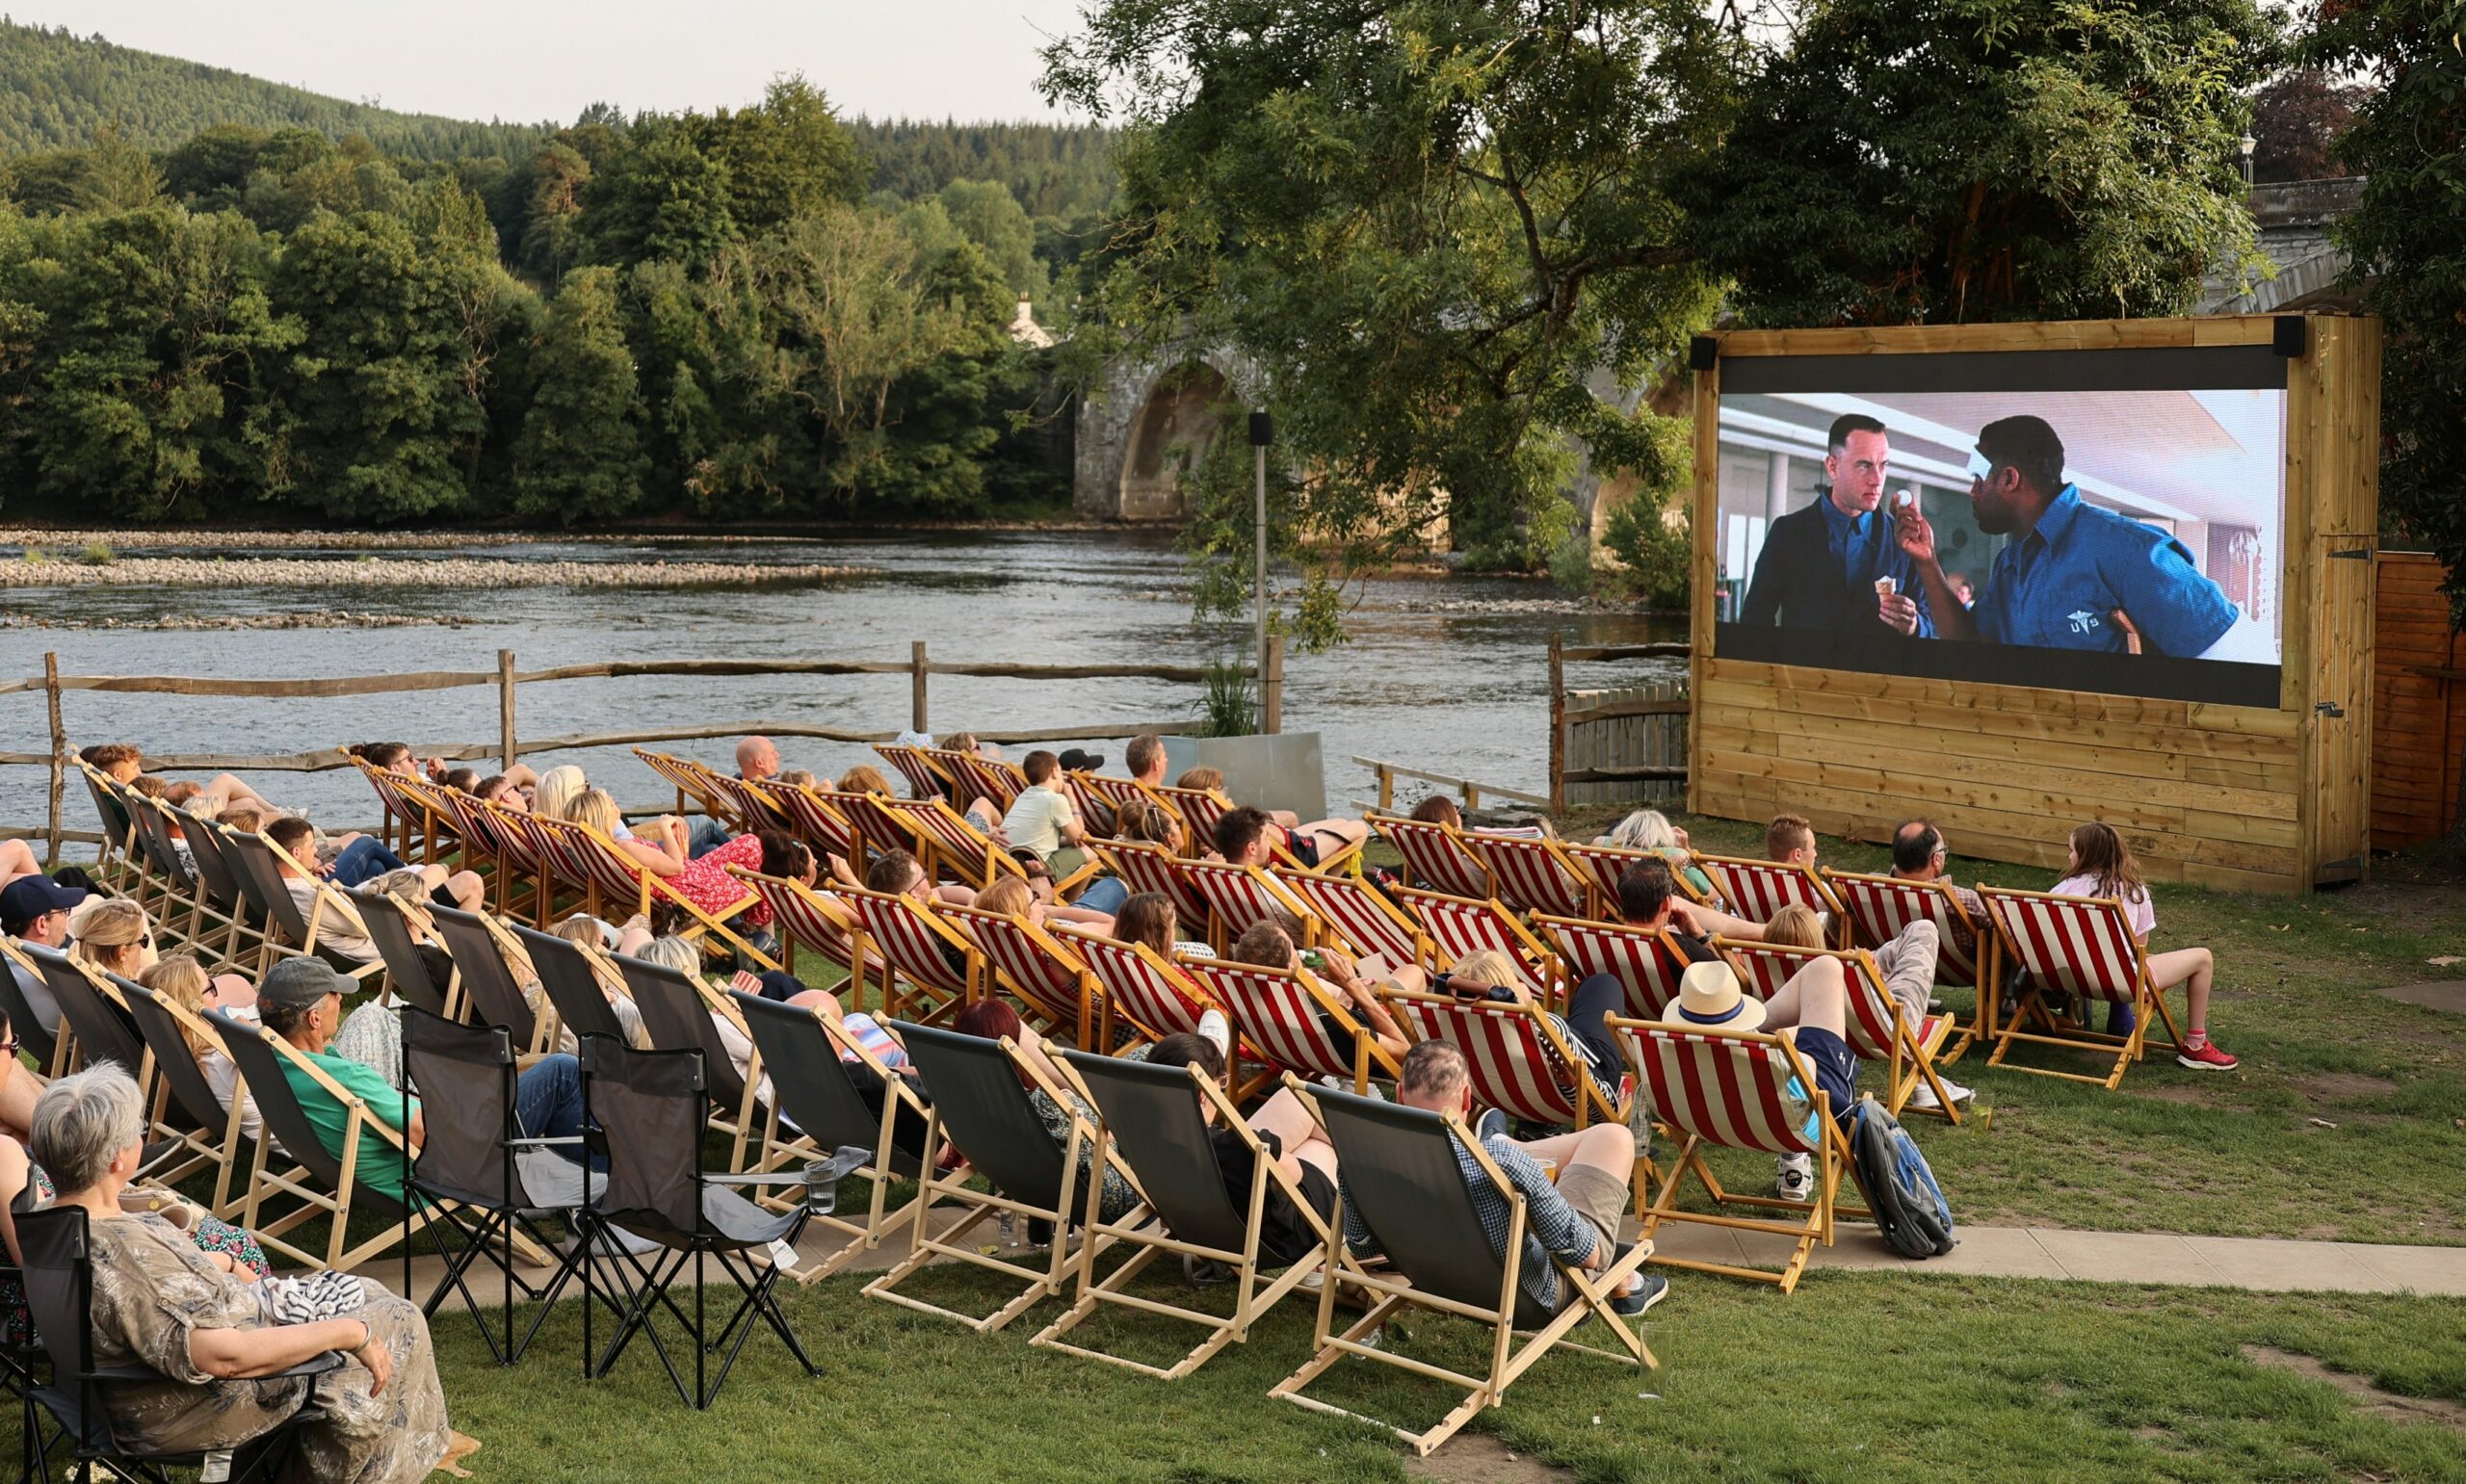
(2074, 576)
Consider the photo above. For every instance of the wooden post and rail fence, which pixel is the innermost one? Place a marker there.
(508, 747)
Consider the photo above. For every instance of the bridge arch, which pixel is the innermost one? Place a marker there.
(1152, 424)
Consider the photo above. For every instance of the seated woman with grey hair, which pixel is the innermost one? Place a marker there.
(1650, 829)
(159, 1302)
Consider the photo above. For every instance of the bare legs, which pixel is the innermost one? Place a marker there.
(1298, 1135)
(2194, 969)
(1817, 996)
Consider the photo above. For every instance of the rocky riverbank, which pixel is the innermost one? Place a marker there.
(429, 574)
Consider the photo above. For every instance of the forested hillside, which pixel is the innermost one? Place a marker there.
(1057, 170)
(57, 90)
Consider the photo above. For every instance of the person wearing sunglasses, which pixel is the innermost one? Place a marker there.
(36, 909)
(116, 937)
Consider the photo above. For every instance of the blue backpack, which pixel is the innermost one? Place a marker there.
(1908, 1206)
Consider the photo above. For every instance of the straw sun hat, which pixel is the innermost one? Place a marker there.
(1708, 995)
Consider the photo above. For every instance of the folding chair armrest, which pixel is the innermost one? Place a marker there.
(776, 1178)
(313, 1366)
(541, 1143)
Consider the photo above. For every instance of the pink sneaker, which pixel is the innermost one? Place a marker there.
(2205, 1057)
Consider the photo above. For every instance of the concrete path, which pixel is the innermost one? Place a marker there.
(2259, 1265)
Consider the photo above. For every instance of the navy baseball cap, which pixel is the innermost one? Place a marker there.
(31, 896)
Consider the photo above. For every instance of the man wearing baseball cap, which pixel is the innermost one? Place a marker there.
(1814, 1009)
(301, 1000)
(35, 909)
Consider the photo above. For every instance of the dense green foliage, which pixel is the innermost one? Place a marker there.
(2407, 242)
(1063, 172)
(57, 90)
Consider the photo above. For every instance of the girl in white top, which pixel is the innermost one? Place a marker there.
(2101, 866)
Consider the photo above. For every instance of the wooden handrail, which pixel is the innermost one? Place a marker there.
(1471, 791)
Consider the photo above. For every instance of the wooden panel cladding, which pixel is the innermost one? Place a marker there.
(2418, 719)
(2203, 793)
(2250, 798)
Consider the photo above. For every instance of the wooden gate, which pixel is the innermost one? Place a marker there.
(1619, 746)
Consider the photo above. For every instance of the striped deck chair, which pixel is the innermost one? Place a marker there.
(690, 779)
(1294, 1022)
(819, 824)
(918, 946)
(816, 919)
(522, 858)
(1755, 890)
(2079, 946)
(991, 778)
(1607, 864)
(1100, 800)
(925, 779)
(1649, 962)
(1149, 993)
(1043, 973)
(1879, 907)
(1201, 809)
(1151, 867)
(1464, 924)
(1533, 874)
(590, 861)
(1435, 857)
(1726, 1089)
(1873, 1031)
(951, 846)
(1238, 897)
(879, 828)
(1359, 914)
(411, 823)
(1515, 1054)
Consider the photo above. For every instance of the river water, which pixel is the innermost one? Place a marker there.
(1444, 673)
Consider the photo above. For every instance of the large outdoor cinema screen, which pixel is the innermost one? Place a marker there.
(2079, 520)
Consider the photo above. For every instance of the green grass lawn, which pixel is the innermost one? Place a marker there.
(1856, 1377)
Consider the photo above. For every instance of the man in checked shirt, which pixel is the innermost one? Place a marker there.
(1575, 1220)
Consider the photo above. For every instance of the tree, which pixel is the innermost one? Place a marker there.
(2295, 123)
(120, 174)
(987, 212)
(1432, 229)
(1954, 161)
(580, 457)
(659, 196)
(552, 240)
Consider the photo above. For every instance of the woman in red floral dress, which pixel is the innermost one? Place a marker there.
(660, 849)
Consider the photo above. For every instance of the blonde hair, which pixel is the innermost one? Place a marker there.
(1202, 777)
(1487, 966)
(1795, 926)
(1646, 830)
(794, 777)
(861, 779)
(596, 808)
(108, 929)
(181, 980)
(557, 789)
(674, 954)
(1010, 895)
(581, 927)
(148, 785)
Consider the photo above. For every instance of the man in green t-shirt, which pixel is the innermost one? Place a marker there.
(302, 1001)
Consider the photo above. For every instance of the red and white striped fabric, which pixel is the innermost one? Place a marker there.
(2076, 945)
(1604, 865)
(1461, 925)
(900, 930)
(1151, 867)
(924, 780)
(1879, 907)
(1755, 890)
(390, 796)
(961, 851)
(817, 823)
(1155, 995)
(799, 912)
(510, 840)
(1504, 1051)
(991, 778)
(1240, 895)
(689, 777)
(1726, 1090)
(1276, 1012)
(1100, 800)
(1648, 963)
(1200, 809)
(1435, 857)
(750, 804)
(1040, 971)
(576, 860)
(1531, 875)
(1365, 919)
(882, 830)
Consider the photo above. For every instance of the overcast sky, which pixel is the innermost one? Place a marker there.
(526, 60)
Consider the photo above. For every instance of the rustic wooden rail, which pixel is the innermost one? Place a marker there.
(1466, 788)
(508, 747)
(1563, 716)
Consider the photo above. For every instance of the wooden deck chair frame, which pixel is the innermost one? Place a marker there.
(590, 860)
(223, 1153)
(513, 856)
(1458, 926)
(179, 890)
(1532, 873)
(1091, 790)
(1755, 890)
(1251, 995)
(265, 1184)
(1875, 1030)
(996, 780)
(819, 824)
(114, 867)
(903, 930)
(1199, 809)
(1502, 1064)
(1669, 1059)
(13, 952)
(1393, 1293)
(1437, 858)
(1147, 867)
(682, 775)
(217, 873)
(74, 1051)
(940, 1188)
(946, 844)
(1252, 1301)
(1358, 913)
(1140, 987)
(1042, 973)
(1606, 865)
(877, 828)
(751, 808)
(280, 939)
(2094, 956)
(409, 821)
(1647, 961)
(801, 916)
(1240, 896)
(925, 777)
(1879, 907)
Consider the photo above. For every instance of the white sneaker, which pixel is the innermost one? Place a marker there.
(1925, 1101)
(1794, 1179)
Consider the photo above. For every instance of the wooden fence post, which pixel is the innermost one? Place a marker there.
(1557, 727)
(1271, 687)
(504, 708)
(917, 720)
(59, 763)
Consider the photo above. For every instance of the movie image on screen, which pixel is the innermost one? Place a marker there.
(2123, 539)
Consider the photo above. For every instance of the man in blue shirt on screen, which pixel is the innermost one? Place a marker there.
(2074, 576)
(1833, 564)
